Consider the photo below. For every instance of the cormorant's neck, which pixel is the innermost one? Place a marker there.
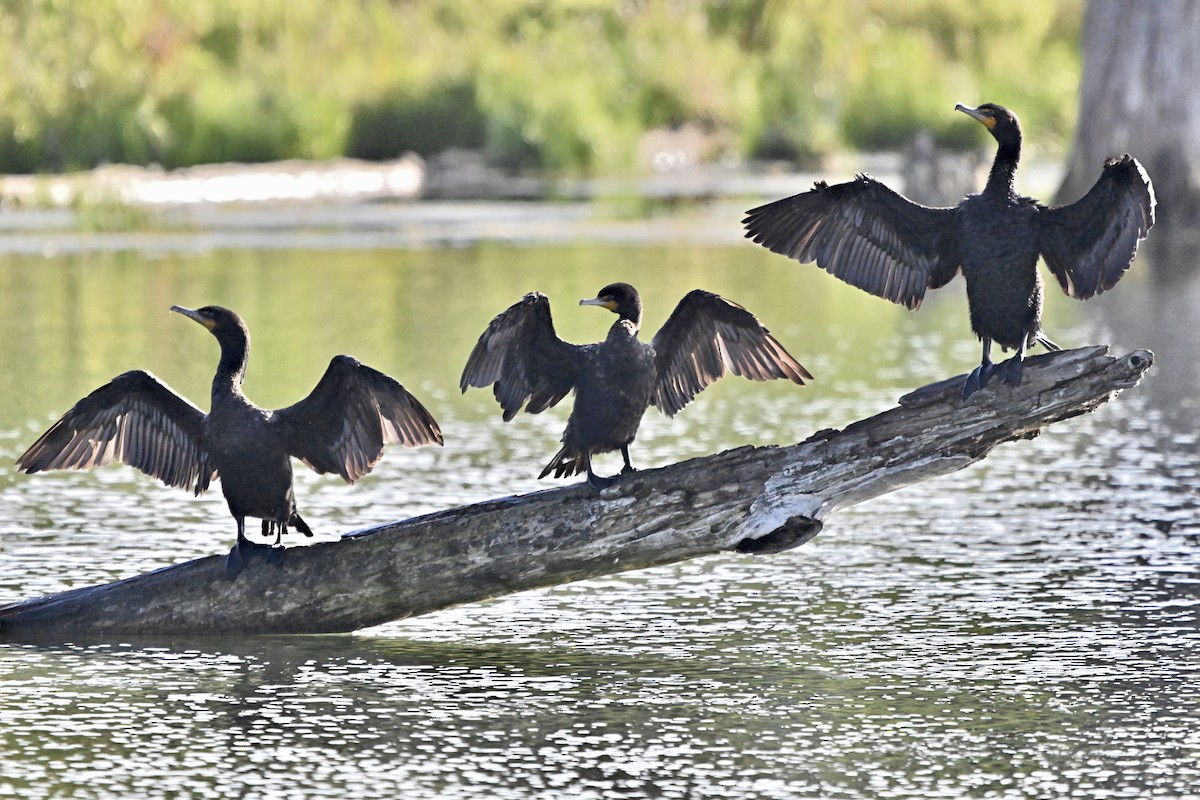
(1003, 176)
(231, 369)
(631, 312)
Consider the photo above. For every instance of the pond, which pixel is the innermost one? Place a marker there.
(1029, 627)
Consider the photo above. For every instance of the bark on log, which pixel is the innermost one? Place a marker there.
(751, 499)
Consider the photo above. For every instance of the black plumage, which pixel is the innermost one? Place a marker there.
(615, 380)
(341, 427)
(873, 238)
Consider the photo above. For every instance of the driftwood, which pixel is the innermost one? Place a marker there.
(751, 499)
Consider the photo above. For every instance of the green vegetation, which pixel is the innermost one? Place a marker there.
(568, 85)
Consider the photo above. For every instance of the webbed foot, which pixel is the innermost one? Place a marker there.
(598, 483)
(274, 555)
(978, 379)
(234, 563)
(1010, 371)
(244, 550)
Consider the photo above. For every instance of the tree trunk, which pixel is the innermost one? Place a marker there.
(1140, 94)
(750, 500)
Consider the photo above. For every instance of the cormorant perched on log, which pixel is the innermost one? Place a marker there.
(340, 427)
(617, 379)
(872, 238)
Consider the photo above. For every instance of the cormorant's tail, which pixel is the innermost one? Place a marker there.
(300, 525)
(1045, 342)
(567, 462)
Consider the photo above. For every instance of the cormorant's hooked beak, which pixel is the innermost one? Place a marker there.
(195, 315)
(988, 120)
(603, 302)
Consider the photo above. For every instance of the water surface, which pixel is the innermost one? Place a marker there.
(1025, 628)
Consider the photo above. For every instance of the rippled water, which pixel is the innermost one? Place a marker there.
(1029, 627)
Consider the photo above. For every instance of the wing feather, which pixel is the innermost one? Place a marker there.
(864, 233)
(344, 423)
(521, 357)
(707, 336)
(1089, 244)
(134, 419)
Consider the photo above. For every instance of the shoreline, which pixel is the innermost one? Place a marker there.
(404, 203)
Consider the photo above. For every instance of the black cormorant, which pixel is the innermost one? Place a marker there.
(136, 419)
(617, 379)
(871, 237)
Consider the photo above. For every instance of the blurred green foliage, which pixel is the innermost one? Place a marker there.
(568, 85)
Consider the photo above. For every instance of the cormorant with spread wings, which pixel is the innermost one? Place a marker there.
(873, 238)
(615, 380)
(341, 427)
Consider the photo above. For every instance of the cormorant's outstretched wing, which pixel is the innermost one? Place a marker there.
(864, 233)
(346, 420)
(523, 358)
(1090, 243)
(136, 419)
(707, 335)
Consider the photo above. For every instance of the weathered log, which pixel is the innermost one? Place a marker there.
(751, 499)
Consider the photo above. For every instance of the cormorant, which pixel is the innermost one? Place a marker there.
(873, 238)
(617, 379)
(136, 419)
